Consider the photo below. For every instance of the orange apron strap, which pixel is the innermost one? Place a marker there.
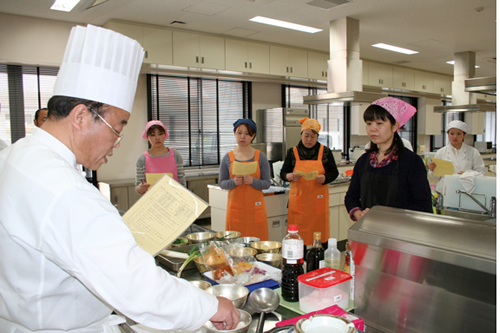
(320, 153)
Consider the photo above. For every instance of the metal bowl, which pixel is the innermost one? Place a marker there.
(273, 259)
(247, 240)
(241, 252)
(266, 247)
(236, 293)
(201, 284)
(245, 320)
(228, 235)
(200, 237)
(200, 264)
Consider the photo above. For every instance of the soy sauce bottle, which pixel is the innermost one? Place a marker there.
(316, 255)
(293, 259)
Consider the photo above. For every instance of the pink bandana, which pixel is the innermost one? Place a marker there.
(400, 110)
(152, 123)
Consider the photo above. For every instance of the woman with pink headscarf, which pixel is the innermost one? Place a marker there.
(388, 174)
(158, 159)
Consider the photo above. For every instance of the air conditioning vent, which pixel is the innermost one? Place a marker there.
(327, 4)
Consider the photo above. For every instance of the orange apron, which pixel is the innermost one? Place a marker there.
(246, 209)
(308, 205)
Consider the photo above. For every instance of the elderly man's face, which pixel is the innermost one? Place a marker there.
(99, 139)
(42, 117)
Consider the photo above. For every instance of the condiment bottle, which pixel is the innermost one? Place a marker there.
(332, 254)
(293, 259)
(316, 255)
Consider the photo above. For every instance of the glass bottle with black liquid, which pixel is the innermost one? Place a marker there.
(316, 255)
(293, 259)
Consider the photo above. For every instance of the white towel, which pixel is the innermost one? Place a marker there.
(467, 180)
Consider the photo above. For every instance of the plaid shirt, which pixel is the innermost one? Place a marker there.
(375, 164)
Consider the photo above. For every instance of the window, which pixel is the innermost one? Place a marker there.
(490, 133)
(330, 116)
(439, 141)
(199, 114)
(23, 90)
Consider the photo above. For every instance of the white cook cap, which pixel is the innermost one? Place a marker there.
(100, 65)
(457, 124)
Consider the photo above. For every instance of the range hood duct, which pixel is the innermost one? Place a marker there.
(345, 68)
(463, 99)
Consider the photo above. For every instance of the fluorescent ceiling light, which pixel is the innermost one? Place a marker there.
(452, 62)
(394, 48)
(283, 24)
(64, 5)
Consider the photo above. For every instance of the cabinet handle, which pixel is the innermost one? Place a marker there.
(442, 89)
(291, 69)
(276, 224)
(146, 54)
(381, 81)
(196, 59)
(202, 60)
(287, 69)
(250, 65)
(245, 64)
(424, 87)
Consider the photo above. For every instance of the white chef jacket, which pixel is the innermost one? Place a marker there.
(68, 259)
(3, 145)
(468, 158)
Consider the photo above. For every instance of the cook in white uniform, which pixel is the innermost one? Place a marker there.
(68, 259)
(462, 156)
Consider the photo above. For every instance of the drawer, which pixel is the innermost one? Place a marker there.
(334, 199)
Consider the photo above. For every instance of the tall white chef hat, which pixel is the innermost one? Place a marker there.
(100, 65)
(457, 124)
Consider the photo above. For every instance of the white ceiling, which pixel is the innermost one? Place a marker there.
(435, 28)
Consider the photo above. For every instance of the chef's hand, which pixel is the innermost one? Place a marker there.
(460, 172)
(247, 179)
(360, 213)
(227, 316)
(142, 187)
(293, 177)
(321, 179)
(238, 180)
(432, 166)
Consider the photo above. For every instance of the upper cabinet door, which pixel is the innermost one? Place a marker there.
(258, 58)
(379, 75)
(298, 63)
(212, 52)
(403, 78)
(186, 48)
(130, 30)
(158, 46)
(279, 60)
(424, 81)
(317, 65)
(236, 55)
(442, 84)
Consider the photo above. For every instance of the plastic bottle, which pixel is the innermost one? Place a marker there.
(293, 259)
(316, 255)
(332, 254)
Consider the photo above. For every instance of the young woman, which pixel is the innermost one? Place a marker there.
(388, 174)
(462, 156)
(158, 159)
(246, 209)
(308, 206)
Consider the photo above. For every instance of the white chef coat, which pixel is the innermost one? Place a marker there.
(3, 145)
(466, 158)
(68, 259)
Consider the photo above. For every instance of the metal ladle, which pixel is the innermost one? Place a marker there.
(263, 300)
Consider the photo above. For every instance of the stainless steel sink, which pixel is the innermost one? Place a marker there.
(469, 215)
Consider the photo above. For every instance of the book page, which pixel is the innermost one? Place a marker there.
(162, 214)
(308, 175)
(242, 169)
(443, 167)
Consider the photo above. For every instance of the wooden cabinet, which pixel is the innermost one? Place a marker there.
(424, 81)
(157, 42)
(317, 65)
(442, 84)
(121, 193)
(199, 51)
(247, 56)
(198, 185)
(403, 78)
(475, 122)
(429, 122)
(379, 75)
(287, 61)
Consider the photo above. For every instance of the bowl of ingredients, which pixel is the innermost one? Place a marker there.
(236, 293)
(273, 259)
(181, 241)
(266, 247)
(201, 284)
(241, 252)
(200, 264)
(200, 237)
(228, 235)
(242, 327)
(247, 240)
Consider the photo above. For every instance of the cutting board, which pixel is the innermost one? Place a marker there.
(485, 189)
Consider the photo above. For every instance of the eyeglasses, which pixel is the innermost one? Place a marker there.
(119, 136)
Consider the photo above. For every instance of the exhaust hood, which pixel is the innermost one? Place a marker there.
(345, 69)
(464, 86)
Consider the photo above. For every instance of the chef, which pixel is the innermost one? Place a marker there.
(463, 157)
(68, 259)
